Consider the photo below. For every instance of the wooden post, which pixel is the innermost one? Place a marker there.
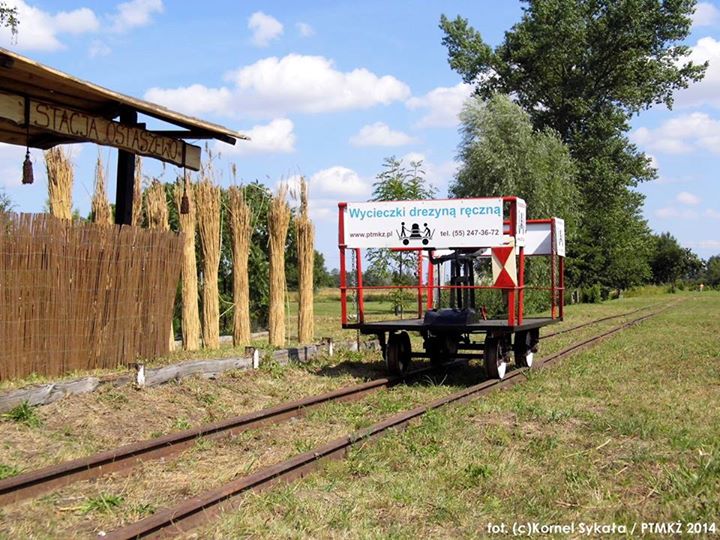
(125, 177)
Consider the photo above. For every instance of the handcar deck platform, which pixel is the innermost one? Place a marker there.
(416, 325)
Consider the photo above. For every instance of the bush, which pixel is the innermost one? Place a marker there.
(593, 295)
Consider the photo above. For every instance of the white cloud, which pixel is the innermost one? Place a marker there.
(265, 28)
(681, 134)
(195, 99)
(380, 134)
(305, 30)
(707, 91)
(329, 186)
(339, 181)
(78, 21)
(39, 30)
(670, 212)
(706, 14)
(135, 13)
(274, 87)
(98, 48)
(442, 104)
(685, 197)
(712, 213)
(275, 137)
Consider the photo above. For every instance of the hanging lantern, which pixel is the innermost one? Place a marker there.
(185, 204)
(185, 201)
(28, 177)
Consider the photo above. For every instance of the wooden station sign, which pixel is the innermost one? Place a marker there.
(87, 127)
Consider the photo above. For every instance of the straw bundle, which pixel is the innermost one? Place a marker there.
(240, 233)
(278, 220)
(137, 194)
(156, 207)
(60, 182)
(189, 291)
(207, 201)
(306, 259)
(100, 206)
(157, 215)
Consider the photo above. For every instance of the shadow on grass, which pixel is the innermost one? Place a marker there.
(459, 375)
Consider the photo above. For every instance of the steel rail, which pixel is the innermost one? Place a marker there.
(198, 510)
(595, 321)
(33, 483)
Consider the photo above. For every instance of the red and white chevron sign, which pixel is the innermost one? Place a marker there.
(504, 266)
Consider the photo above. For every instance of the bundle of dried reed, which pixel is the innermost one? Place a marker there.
(207, 204)
(60, 182)
(101, 212)
(241, 227)
(158, 218)
(156, 206)
(189, 290)
(306, 259)
(278, 221)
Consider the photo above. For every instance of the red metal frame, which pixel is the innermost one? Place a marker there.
(515, 295)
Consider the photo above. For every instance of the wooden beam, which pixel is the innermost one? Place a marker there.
(84, 126)
(125, 177)
(193, 134)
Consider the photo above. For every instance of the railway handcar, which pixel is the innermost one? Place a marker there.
(450, 239)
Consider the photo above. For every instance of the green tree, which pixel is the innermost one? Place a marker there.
(501, 154)
(670, 261)
(6, 204)
(584, 68)
(712, 271)
(8, 18)
(397, 182)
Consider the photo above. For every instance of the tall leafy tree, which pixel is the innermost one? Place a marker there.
(397, 182)
(584, 68)
(712, 271)
(502, 154)
(670, 261)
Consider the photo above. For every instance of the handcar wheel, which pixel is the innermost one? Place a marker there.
(397, 355)
(495, 353)
(524, 353)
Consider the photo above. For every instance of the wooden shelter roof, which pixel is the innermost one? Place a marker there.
(25, 77)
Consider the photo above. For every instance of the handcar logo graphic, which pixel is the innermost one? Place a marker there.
(414, 234)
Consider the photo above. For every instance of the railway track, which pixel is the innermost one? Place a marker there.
(124, 458)
(201, 509)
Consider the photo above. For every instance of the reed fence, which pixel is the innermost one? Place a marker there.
(77, 296)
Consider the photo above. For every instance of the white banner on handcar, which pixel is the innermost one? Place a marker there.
(452, 223)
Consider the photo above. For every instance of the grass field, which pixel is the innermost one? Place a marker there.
(626, 431)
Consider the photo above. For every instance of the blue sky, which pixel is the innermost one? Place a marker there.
(328, 89)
